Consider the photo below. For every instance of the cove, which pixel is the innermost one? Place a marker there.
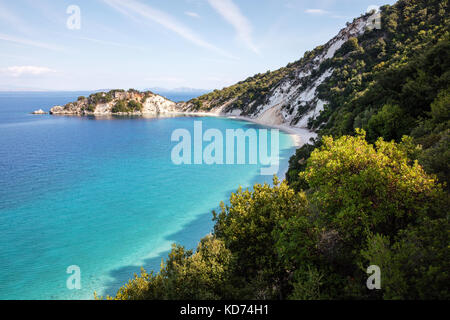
(103, 195)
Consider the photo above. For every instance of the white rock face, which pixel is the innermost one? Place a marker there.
(291, 96)
(62, 110)
(103, 109)
(272, 116)
(157, 104)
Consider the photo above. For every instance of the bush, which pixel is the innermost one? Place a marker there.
(247, 227)
(185, 276)
(361, 188)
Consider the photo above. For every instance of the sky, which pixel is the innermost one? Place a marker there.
(205, 44)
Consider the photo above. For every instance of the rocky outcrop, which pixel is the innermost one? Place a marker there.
(118, 102)
(40, 111)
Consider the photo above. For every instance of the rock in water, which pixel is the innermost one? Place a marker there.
(40, 111)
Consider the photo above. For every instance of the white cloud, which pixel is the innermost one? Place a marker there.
(27, 42)
(316, 11)
(192, 14)
(233, 15)
(18, 71)
(132, 8)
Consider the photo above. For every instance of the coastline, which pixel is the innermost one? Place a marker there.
(300, 136)
(130, 263)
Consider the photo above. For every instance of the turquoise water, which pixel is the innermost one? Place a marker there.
(102, 194)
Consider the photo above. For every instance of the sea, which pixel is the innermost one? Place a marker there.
(86, 202)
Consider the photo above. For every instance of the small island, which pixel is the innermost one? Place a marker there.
(118, 102)
(40, 111)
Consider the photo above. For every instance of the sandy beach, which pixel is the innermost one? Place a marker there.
(300, 136)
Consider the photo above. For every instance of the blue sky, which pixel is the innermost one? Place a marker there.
(160, 43)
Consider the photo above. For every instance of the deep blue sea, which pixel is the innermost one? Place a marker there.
(101, 194)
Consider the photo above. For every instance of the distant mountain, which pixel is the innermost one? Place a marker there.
(180, 89)
(10, 88)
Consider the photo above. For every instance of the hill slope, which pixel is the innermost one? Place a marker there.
(286, 96)
(334, 83)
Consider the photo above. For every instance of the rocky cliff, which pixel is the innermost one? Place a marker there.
(130, 102)
(287, 96)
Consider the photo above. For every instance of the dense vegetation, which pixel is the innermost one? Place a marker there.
(372, 190)
(393, 82)
(130, 106)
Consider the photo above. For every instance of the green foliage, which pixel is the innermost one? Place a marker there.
(415, 265)
(307, 285)
(390, 123)
(186, 275)
(135, 106)
(358, 190)
(131, 106)
(440, 108)
(248, 225)
(120, 107)
(368, 188)
(100, 97)
(297, 164)
(436, 159)
(349, 47)
(90, 107)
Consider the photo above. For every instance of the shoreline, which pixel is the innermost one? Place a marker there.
(300, 136)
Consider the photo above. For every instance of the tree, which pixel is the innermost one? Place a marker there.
(367, 204)
(186, 275)
(361, 189)
(391, 123)
(415, 264)
(248, 227)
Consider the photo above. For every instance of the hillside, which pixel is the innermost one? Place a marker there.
(334, 83)
(286, 96)
(390, 81)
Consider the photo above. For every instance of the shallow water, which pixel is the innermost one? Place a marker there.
(102, 194)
